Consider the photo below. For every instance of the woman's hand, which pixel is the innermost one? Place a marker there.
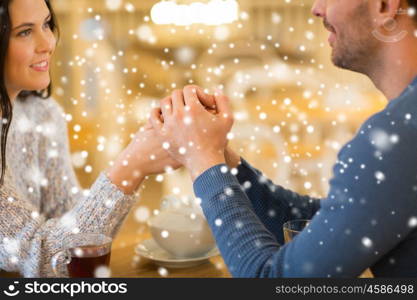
(148, 153)
(142, 157)
(192, 135)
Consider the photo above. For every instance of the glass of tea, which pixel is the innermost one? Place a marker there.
(83, 254)
(293, 227)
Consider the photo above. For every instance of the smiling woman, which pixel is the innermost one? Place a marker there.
(18, 51)
(41, 202)
(30, 48)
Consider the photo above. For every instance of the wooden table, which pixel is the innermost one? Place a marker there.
(126, 263)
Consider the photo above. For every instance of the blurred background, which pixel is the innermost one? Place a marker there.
(294, 110)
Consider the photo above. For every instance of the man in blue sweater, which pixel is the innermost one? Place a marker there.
(369, 217)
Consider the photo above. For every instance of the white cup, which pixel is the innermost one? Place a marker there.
(182, 232)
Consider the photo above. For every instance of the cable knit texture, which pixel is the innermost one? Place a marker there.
(41, 202)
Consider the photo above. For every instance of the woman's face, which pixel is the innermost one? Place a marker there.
(31, 45)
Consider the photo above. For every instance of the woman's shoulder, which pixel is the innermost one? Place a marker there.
(43, 109)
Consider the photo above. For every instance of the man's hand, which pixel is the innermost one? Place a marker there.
(191, 134)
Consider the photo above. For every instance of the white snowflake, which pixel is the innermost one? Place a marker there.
(102, 272)
(79, 252)
(228, 191)
(165, 145)
(163, 272)
(68, 221)
(239, 224)
(224, 169)
(380, 176)
(49, 130)
(12, 246)
(218, 222)
(381, 140)
(182, 151)
(412, 222)
(34, 214)
(14, 259)
(23, 124)
(367, 242)
(113, 4)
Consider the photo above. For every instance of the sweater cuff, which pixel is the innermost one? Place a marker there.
(245, 172)
(103, 182)
(111, 196)
(214, 181)
(105, 207)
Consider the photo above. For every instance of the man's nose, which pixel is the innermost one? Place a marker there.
(318, 8)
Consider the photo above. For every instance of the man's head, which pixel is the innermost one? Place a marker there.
(360, 30)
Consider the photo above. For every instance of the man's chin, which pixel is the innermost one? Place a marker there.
(338, 61)
(335, 59)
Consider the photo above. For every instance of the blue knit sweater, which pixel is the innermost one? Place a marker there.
(368, 219)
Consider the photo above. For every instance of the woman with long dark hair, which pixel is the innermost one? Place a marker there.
(41, 202)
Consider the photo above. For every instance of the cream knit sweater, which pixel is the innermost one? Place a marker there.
(41, 201)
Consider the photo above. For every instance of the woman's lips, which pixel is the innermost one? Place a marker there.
(42, 66)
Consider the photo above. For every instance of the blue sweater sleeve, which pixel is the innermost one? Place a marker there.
(273, 204)
(366, 214)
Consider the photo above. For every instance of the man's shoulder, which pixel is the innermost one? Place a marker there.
(387, 131)
(399, 116)
(404, 108)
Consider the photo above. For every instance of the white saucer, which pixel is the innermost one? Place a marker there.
(150, 250)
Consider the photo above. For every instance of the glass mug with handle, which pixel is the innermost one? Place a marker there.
(84, 255)
(294, 227)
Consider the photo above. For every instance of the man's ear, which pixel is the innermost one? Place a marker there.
(384, 10)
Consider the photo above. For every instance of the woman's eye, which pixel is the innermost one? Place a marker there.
(48, 24)
(24, 32)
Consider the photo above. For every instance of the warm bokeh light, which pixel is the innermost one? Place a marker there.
(215, 12)
(293, 109)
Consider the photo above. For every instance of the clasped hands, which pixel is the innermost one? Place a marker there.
(193, 128)
(190, 129)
